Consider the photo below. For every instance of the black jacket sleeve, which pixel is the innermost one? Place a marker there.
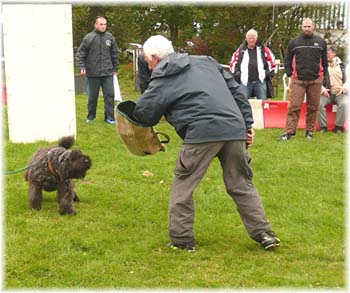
(114, 55)
(288, 60)
(82, 53)
(324, 61)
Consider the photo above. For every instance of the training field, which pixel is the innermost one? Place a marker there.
(118, 238)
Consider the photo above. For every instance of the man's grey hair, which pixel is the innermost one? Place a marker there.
(157, 46)
(332, 48)
(251, 32)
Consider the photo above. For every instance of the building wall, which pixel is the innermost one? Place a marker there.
(39, 68)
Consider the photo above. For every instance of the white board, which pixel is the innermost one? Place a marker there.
(258, 114)
(39, 68)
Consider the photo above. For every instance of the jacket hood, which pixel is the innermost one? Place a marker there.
(171, 65)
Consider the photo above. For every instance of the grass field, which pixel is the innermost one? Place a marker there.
(118, 238)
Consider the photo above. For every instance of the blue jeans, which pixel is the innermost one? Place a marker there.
(256, 87)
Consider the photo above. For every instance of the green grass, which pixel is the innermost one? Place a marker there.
(118, 238)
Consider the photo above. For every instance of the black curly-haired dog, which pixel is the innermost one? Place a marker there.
(53, 169)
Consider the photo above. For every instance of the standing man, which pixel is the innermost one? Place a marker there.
(306, 64)
(210, 112)
(336, 94)
(144, 73)
(253, 65)
(97, 58)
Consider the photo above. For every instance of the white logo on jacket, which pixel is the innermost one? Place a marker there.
(108, 43)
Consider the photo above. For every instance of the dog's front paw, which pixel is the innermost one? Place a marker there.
(34, 206)
(76, 198)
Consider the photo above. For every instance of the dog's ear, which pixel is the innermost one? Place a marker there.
(75, 155)
(64, 157)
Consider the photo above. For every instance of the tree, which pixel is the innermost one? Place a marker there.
(215, 30)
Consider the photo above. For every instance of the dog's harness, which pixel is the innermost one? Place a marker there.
(49, 165)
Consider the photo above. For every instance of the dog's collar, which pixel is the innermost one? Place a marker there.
(51, 169)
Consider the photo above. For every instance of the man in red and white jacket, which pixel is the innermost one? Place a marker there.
(253, 65)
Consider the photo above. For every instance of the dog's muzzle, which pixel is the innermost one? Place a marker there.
(87, 163)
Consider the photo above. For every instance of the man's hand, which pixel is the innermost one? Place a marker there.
(341, 91)
(325, 93)
(82, 72)
(237, 76)
(250, 137)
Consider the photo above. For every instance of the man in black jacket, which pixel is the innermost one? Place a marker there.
(97, 58)
(210, 112)
(144, 73)
(306, 64)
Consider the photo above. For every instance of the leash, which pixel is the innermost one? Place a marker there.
(15, 171)
(52, 171)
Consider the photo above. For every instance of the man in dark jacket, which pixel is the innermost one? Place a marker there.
(210, 112)
(144, 73)
(306, 64)
(97, 58)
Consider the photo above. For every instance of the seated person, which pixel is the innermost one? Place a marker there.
(336, 94)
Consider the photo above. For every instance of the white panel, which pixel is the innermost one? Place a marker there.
(39, 66)
(258, 114)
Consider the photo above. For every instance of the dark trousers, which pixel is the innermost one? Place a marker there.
(191, 165)
(94, 84)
